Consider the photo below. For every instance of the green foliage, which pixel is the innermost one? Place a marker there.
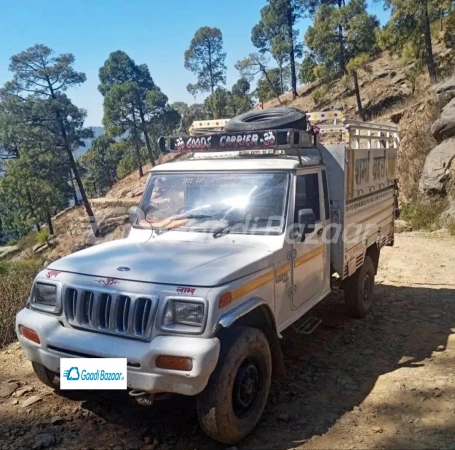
(15, 283)
(307, 74)
(257, 64)
(206, 59)
(319, 95)
(449, 33)
(100, 163)
(321, 73)
(188, 114)
(267, 87)
(339, 34)
(276, 33)
(223, 103)
(42, 236)
(452, 229)
(133, 102)
(12, 242)
(424, 213)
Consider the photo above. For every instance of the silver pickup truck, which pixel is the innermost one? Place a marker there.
(228, 248)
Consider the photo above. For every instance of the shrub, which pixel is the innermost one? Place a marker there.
(319, 95)
(15, 282)
(42, 236)
(12, 242)
(424, 213)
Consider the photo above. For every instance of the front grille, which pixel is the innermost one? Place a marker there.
(119, 314)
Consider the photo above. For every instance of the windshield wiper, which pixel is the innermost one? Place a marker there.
(193, 216)
(222, 231)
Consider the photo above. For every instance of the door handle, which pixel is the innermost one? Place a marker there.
(320, 231)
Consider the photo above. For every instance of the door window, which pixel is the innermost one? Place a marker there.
(307, 195)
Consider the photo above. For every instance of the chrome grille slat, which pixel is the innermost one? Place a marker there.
(119, 314)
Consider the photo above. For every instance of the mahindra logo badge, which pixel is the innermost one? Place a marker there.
(123, 269)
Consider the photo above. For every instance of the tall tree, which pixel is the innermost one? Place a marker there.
(409, 30)
(189, 114)
(341, 33)
(257, 64)
(101, 162)
(40, 80)
(206, 59)
(132, 101)
(276, 33)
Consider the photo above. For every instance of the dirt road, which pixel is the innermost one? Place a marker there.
(385, 382)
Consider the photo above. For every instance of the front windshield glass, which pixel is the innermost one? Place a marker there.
(207, 202)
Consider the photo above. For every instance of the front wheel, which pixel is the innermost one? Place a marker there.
(358, 289)
(46, 376)
(233, 402)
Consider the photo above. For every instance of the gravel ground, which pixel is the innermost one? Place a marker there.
(384, 382)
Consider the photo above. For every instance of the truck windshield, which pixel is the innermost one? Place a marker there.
(238, 201)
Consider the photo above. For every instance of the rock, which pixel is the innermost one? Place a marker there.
(284, 418)
(57, 420)
(14, 402)
(444, 127)
(437, 167)
(8, 389)
(401, 226)
(399, 79)
(9, 250)
(448, 216)
(20, 392)
(377, 429)
(31, 401)
(445, 91)
(380, 74)
(114, 212)
(45, 440)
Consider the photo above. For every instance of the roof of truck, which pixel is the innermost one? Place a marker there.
(224, 164)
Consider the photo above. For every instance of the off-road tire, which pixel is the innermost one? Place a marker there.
(358, 290)
(46, 376)
(267, 119)
(216, 405)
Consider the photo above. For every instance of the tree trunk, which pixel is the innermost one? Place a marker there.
(138, 156)
(73, 166)
(33, 210)
(281, 80)
(147, 138)
(49, 222)
(38, 226)
(341, 41)
(291, 48)
(73, 189)
(428, 45)
(357, 95)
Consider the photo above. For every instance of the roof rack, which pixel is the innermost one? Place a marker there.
(289, 142)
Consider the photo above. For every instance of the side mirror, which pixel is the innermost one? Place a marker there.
(307, 221)
(136, 214)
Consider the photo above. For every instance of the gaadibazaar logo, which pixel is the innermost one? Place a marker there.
(93, 373)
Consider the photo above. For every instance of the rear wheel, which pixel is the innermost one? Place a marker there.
(358, 290)
(233, 402)
(46, 376)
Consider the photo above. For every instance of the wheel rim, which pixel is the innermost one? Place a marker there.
(246, 388)
(367, 288)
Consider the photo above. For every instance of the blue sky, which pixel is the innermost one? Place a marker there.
(155, 32)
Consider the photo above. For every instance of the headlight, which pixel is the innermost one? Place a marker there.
(184, 316)
(45, 297)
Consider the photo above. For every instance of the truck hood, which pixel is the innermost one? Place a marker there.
(166, 262)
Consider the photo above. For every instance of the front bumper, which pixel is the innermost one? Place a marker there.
(59, 341)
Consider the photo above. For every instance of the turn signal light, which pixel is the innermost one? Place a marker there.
(29, 334)
(174, 363)
(225, 300)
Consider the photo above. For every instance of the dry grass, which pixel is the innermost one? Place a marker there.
(416, 143)
(15, 282)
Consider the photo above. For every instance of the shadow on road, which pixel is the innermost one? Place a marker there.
(329, 373)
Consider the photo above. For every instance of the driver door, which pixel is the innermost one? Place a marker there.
(310, 262)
